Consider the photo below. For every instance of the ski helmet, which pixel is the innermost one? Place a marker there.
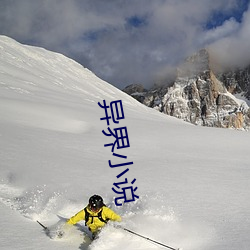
(95, 202)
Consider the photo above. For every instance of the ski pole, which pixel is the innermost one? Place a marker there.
(45, 228)
(159, 243)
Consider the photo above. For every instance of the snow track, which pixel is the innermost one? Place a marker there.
(148, 216)
(32, 204)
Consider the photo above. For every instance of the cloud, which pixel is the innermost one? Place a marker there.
(123, 42)
(233, 49)
(228, 28)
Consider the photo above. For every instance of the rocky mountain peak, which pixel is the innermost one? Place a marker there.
(200, 96)
(196, 64)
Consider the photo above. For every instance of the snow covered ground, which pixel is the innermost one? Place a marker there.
(193, 182)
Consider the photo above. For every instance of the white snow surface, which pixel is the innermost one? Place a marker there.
(193, 182)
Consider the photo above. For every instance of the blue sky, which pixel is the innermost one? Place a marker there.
(218, 17)
(132, 41)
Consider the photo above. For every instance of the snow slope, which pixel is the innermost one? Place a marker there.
(193, 182)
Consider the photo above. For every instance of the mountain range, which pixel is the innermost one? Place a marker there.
(202, 94)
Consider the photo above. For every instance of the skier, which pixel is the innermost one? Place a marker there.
(95, 214)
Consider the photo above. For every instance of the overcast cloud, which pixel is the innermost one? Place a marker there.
(131, 41)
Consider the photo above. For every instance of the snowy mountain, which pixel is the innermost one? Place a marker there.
(237, 81)
(193, 182)
(201, 96)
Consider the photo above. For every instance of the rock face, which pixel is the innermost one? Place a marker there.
(137, 91)
(201, 97)
(237, 81)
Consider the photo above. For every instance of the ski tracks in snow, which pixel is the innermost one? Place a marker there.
(40, 204)
(8, 193)
(32, 204)
(148, 217)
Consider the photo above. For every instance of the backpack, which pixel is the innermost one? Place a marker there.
(99, 216)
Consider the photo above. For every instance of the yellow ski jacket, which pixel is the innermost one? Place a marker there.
(94, 223)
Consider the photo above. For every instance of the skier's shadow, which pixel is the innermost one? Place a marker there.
(87, 237)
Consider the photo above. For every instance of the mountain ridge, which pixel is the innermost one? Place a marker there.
(201, 95)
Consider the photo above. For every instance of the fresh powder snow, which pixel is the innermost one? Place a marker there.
(193, 182)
